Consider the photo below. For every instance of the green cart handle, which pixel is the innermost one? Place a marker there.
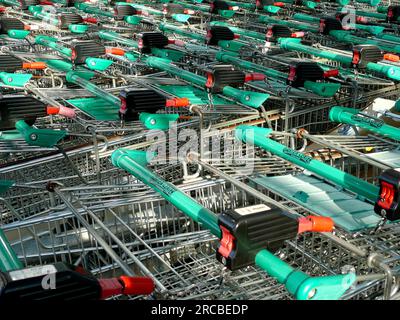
(143, 8)
(390, 71)
(93, 10)
(344, 36)
(14, 3)
(311, 19)
(244, 5)
(81, 78)
(375, 30)
(343, 2)
(232, 45)
(300, 284)
(260, 137)
(96, 64)
(170, 54)
(306, 18)
(39, 137)
(51, 42)
(243, 32)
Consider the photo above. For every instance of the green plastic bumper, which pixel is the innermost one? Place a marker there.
(18, 34)
(39, 137)
(8, 259)
(301, 285)
(323, 89)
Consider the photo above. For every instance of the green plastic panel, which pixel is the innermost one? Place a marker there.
(14, 79)
(5, 185)
(183, 18)
(271, 9)
(10, 135)
(96, 108)
(313, 193)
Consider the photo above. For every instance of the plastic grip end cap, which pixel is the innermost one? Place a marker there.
(393, 73)
(315, 224)
(137, 285)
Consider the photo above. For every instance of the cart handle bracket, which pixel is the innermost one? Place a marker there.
(39, 137)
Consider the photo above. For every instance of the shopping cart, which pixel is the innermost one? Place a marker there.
(148, 234)
(66, 279)
(153, 224)
(25, 193)
(366, 275)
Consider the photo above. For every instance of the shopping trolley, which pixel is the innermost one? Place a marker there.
(66, 279)
(143, 229)
(112, 199)
(355, 252)
(25, 195)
